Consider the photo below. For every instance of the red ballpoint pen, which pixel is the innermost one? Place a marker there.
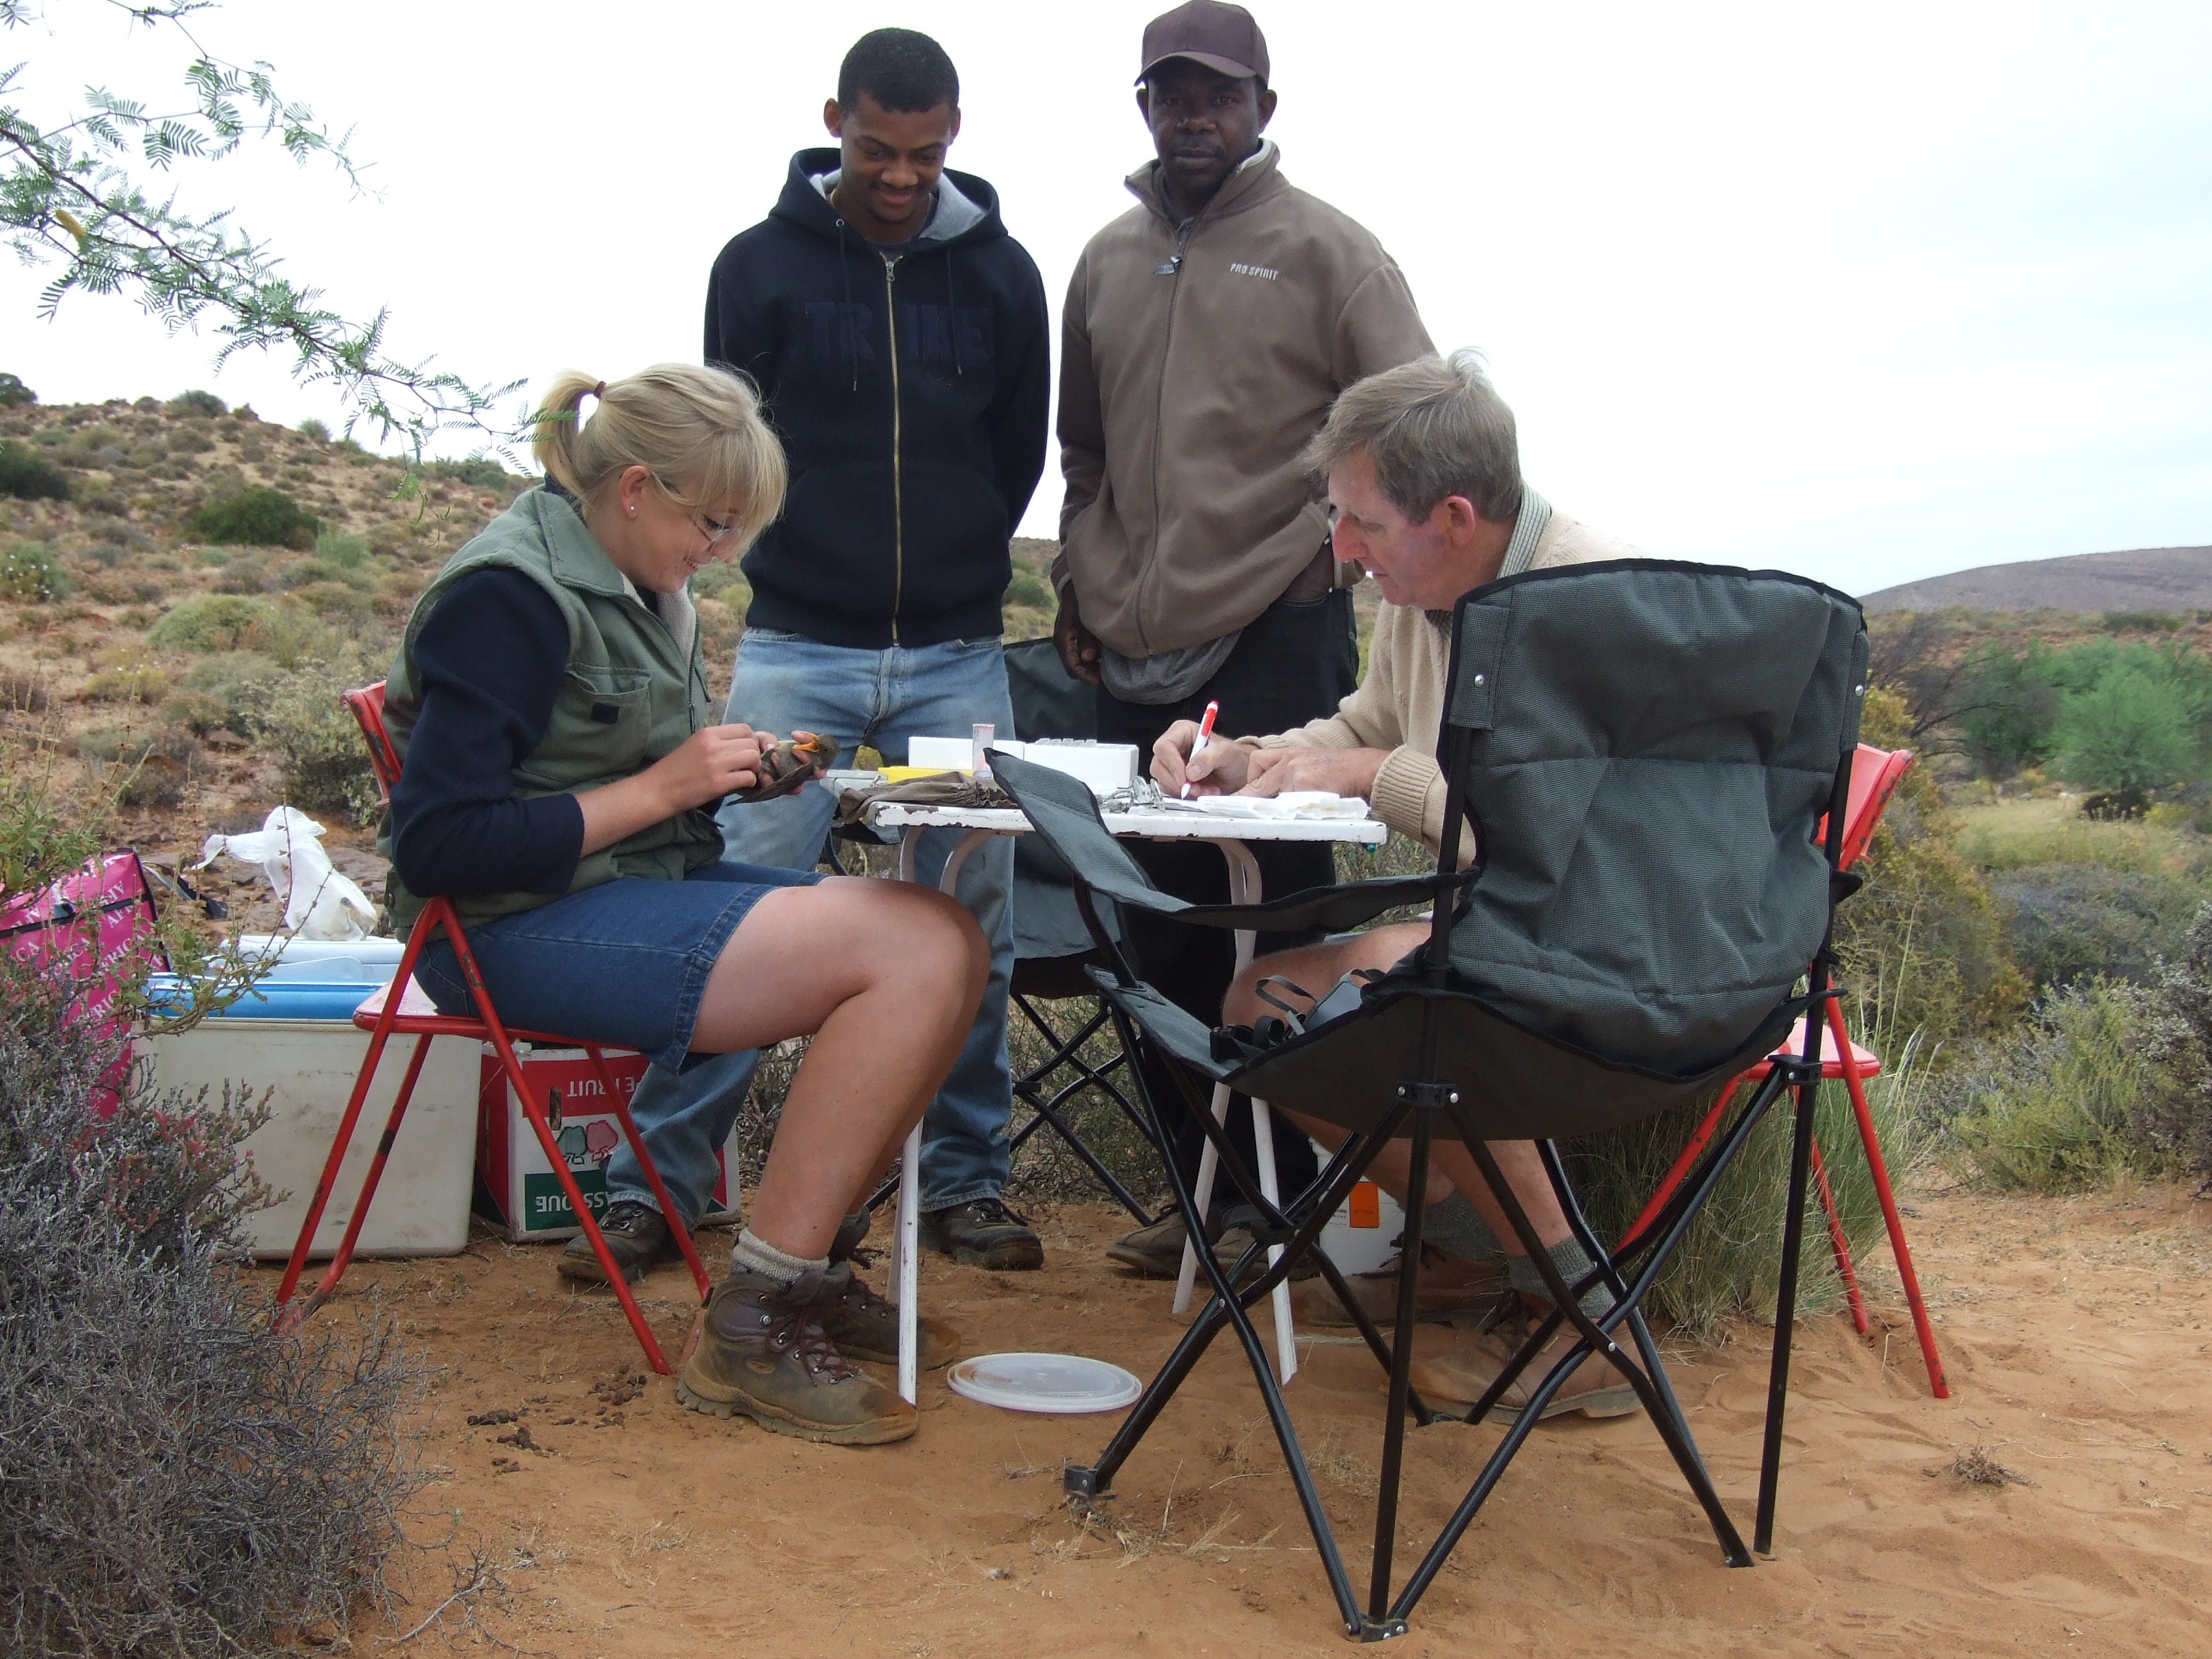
(1205, 731)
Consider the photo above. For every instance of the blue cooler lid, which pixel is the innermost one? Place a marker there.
(283, 999)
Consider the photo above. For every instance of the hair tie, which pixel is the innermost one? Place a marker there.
(600, 391)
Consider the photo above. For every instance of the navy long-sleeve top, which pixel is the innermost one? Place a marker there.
(488, 661)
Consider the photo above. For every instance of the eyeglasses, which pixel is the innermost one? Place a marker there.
(716, 531)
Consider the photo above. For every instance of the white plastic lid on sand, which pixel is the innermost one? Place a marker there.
(1057, 1383)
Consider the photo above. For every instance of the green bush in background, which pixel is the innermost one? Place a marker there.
(30, 477)
(197, 402)
(258, 518)
(231, 622)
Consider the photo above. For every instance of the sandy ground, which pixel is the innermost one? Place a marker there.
(2074, 1334)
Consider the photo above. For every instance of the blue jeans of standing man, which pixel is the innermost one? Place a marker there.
(787, 683)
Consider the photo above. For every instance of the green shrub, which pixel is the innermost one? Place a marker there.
(30, 477)
(31, 574)
(243, 574)
(313, 428)
(238, 684)
(2125, 734)
(258, 518)
(229, 621)
(190, 439)
(1923, 943)
(2175, 1121)
(2142, 621)
(480, 471)
(2072, 921)
(342, 547)
(318, 743)
(197, 402)
(1026, 588)
(13, 394)
(2048, 1109)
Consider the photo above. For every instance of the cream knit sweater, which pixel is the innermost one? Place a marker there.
(1399, 705)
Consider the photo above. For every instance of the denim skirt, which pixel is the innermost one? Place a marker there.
(623, 963)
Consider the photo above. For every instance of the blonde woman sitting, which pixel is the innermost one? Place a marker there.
(560, 783)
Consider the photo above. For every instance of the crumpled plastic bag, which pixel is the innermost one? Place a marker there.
(319, 902)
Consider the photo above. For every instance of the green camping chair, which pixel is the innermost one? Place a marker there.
(1584, 972)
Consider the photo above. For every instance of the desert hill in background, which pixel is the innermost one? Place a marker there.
(2170, 578)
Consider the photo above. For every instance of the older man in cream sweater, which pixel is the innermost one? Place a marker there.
(1424, 487)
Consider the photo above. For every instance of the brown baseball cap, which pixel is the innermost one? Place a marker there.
(1225, 39)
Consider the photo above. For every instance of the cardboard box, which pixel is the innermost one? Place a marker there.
(527, 1198)
(308, 1066)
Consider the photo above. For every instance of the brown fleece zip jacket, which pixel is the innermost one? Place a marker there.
(1194, 365)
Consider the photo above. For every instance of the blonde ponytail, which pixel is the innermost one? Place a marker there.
(699, 431)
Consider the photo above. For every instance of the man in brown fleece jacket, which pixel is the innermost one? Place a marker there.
(1205, 333)
(1424, 470)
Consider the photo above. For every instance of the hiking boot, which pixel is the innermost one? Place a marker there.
(863, 1326)
(983, 1233)
(762, 1353)
(1596, 1388)
(637, 1237)
(1156, 1251)
(1446, 1289)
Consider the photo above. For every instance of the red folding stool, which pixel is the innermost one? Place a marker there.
(1875, 775)
(384, 1018)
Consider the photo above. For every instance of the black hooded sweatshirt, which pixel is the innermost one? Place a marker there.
(909, 385)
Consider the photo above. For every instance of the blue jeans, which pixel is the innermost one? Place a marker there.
(785, 683)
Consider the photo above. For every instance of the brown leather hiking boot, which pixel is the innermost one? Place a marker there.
(863, 1325)
(1594, 1388)
(983, 1233)
(762, 1353)
(637, 1237)
(1446, 1289)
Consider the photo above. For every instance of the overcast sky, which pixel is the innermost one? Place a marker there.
(1871, 292)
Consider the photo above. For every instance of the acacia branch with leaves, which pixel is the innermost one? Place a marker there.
(76, 195)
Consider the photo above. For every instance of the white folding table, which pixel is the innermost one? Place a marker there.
(1231, 836)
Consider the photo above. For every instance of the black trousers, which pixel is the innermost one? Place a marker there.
(1295, 663)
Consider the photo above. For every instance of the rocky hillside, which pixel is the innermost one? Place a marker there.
(2151, 579)
(184, 589)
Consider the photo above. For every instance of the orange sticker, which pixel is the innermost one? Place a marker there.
(1366, 1205)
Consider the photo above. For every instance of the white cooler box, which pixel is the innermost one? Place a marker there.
(421, 1205)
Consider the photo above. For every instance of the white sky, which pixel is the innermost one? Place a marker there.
(1870, 292)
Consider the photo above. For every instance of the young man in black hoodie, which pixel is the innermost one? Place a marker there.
(900, 338)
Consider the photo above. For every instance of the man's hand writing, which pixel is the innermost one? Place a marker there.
(1216, 769)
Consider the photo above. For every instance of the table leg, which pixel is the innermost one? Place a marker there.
(906, 1249)
(1244, 888)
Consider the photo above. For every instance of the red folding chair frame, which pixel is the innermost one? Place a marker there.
(1874, 775)
(388, 1021)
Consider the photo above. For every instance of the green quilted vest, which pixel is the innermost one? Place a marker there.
(628, 695)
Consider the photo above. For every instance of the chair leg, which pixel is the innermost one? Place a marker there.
(1836, 1241)
(669, 1212)
(1696, 1144)
(1402, 1362)
(374, 1178)
(1194, 1220)
(1856, 1085)
(1785, 1309)
(341, 1143)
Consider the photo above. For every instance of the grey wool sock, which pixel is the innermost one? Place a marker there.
(1572, 1261)
(1456, 1228)
(753, 1255)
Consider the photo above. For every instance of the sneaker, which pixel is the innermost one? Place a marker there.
(863, 1326)
(1446, 1289)
(983, 1233)
(637, 1237)
(1463, 1376)
(761, 1353)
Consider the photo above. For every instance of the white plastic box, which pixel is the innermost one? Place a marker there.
(1105, 766)
(421, 1205)
(1358, 1237)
